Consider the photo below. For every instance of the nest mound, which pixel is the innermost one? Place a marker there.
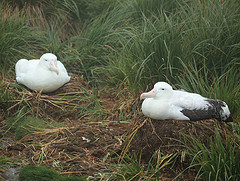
(168, 135)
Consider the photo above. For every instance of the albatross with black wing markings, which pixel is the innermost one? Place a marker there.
(163, 103)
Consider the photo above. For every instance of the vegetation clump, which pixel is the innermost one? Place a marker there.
(220, 161)
(29, 125)
(40, 173)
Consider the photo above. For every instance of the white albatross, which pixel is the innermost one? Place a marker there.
(163, 103)
(47, 74)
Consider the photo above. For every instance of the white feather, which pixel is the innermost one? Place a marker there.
(37, 74)
(165, 103)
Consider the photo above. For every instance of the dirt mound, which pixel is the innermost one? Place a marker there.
(167, 135)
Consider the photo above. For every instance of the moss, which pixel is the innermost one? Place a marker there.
(31, 172)
(40, 173)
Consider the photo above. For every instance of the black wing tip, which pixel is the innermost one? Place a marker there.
(229, 119)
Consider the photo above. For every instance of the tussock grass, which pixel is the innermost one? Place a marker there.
(219, 162)
(202, 80)
(69, 15)
(16, 41)
(132, 168)
(198, 38)
(25, 125)
(138, 52)
(154, 7)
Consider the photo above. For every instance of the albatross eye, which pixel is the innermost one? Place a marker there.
(162, 89)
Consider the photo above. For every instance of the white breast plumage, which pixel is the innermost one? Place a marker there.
(162, 103)
(46, 74)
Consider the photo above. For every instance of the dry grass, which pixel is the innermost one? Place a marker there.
(84, 145)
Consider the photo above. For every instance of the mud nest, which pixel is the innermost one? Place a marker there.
(168, 136)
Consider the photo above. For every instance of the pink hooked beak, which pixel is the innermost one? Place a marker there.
(53, 67)
(149, 94)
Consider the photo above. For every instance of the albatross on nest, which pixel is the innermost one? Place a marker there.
(47, 74)
(162, 103)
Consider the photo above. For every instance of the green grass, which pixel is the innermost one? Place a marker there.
(132, 167)
(138, 52)
(16, 41)
(219, 162)
(186, 47)
(24, 125)
(202, 80)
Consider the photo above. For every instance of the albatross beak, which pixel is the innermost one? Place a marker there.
(53, 67)
(149, 94)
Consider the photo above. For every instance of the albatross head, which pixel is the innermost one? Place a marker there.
(160, 89)
(49, 60)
